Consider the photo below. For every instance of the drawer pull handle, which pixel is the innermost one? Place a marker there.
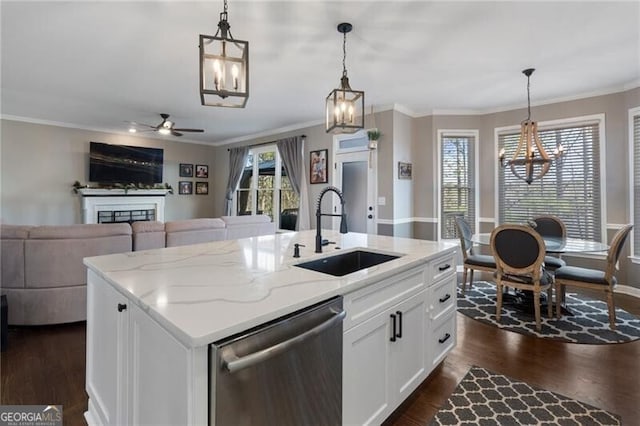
(399, 333)
(445, 298)
(393, 332)
(445, 338)
(444, 268)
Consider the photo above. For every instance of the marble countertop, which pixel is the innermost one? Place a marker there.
(204, 292)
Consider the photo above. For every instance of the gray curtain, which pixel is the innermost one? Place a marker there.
(291, 150)
(237, 160)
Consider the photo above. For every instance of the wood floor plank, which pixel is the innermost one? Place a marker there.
(46, 365)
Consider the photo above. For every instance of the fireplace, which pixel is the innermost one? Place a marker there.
(116, 205)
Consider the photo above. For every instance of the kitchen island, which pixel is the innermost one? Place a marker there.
(151, 316)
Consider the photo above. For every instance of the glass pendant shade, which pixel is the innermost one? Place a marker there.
(345, 109)
(224, 68)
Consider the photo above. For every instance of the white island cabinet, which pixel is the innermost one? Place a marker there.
(151, 316)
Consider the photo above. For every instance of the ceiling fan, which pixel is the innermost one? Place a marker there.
(166, 127)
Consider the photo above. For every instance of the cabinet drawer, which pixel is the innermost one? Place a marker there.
(442, 297)
(443, 337)
(366, 302)
(441, 266)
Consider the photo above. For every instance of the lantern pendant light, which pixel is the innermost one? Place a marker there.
(344, 106)
(530, 161)
(224, 67)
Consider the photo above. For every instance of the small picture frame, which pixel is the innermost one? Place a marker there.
(185, 187)
(186, 170)
(202, 188)
(404, 170)
(319, 172)
(202, 171)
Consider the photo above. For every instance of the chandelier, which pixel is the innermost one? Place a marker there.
(344, 106)
(530, 160)
(224, 67)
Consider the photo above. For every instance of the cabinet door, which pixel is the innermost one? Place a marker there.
(408, 352)
(366, 375)
(107, 337)
(159, 374)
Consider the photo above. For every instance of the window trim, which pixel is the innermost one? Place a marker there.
(543, 125)
(277, 185)
(633, 112)
(475, 133)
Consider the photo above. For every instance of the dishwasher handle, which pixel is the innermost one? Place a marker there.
(232, 363)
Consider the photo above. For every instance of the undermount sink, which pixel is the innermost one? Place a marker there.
(346, 263)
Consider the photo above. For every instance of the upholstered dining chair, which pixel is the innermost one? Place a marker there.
(470, 260)
(551, 226)
(574, 276)
(519, 254)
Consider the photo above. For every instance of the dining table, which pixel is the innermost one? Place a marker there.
(555, 246)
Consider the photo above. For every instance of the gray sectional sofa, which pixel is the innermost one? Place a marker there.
(42, 273)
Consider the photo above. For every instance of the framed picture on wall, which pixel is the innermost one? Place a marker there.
(186, 170)
(202, 171)
(185, 187)
(318, 167)
(202, 188)
(404, 170)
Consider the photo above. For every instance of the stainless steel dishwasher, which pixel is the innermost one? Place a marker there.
(286, 372)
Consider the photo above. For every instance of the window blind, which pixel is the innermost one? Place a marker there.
(636, 182)
(457, 192)
(571, 189)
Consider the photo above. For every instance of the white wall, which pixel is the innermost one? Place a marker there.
(39, 164)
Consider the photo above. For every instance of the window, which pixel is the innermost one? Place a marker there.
(571, 189)
(457, 180)
(634, 137)
(265, 188)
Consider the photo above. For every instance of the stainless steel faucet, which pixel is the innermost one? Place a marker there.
(319, 214)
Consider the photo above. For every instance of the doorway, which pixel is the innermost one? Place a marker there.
(356, 176)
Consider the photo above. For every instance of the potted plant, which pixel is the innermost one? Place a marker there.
(373, 135)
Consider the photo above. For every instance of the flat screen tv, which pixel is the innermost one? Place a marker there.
(124, 164)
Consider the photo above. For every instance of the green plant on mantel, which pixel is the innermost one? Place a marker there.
(125, 186)
(374, 134)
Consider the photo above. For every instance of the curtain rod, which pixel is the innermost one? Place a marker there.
(266, 143)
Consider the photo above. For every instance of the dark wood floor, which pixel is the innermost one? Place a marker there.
(46, 365)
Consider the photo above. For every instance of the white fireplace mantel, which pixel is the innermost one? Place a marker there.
(95, 200)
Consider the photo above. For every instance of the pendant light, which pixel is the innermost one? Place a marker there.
(530, 160)
(344, 106)
(224, 67)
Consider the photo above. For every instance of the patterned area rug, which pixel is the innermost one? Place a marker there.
(486, 398)
(589, 323)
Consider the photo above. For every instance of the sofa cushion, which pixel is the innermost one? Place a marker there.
(12, 255)
(58, 262)
(80, 231)
(248, 226)
(193, 224)
(245, 219)
(194, 231)
(148, 235)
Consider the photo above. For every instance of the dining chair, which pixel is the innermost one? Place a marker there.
(574, 276)
(519, 254)
(551, 226)
(470, 260)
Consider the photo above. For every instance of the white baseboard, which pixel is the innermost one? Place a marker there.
(627, 289)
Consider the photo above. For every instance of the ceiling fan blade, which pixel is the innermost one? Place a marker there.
(190, 130)
(174, 133)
